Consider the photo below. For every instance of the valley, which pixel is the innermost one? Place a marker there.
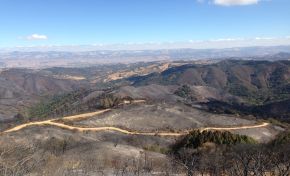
(130, 117)
(144, 88)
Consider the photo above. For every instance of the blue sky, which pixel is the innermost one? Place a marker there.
(84, 22)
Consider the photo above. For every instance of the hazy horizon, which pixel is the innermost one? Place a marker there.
(198, 45)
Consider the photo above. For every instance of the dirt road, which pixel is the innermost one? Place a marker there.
(56, 123)
(236, 128)
(53, 122)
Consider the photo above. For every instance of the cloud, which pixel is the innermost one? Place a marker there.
(264, 38)
(226, 39)
(235, 2)
(36, 37)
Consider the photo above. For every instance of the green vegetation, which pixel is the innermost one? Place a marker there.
(57, 105)
(109, 101)
(183, 91)
(240, 155)
(197, 138)
(71, 103)
(277, 110)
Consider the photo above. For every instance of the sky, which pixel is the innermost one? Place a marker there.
(180, 23)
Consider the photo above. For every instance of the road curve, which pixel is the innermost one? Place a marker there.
(69, 118)
(56, 122)
(53, 122)
(47, 122)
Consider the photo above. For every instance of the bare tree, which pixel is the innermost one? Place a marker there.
(281, 160)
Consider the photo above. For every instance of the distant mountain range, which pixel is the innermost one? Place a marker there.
(39, 59)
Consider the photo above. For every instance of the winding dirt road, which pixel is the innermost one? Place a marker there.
(53, 122)
(56, 123)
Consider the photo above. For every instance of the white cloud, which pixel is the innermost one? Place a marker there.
(37, 37)
(264, 38)
(235, 2)
(226, 39)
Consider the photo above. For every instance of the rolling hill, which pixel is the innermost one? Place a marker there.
(255, 81)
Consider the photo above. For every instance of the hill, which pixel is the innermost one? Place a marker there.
(123, 123)
(255, 81)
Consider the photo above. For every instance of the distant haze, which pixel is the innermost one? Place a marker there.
(43, 58)
(208, 44)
